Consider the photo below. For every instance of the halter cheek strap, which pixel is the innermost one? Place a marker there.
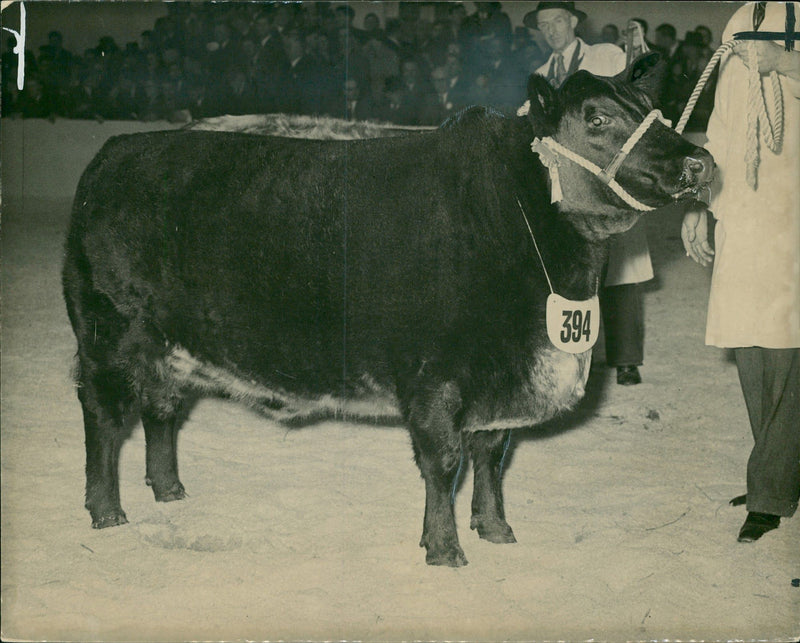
(610, 171)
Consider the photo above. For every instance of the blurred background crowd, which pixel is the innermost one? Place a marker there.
(209, 59)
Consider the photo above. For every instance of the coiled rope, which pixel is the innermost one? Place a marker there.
(758, 119)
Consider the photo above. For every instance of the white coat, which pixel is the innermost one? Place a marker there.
(629, 256)
(755, 287)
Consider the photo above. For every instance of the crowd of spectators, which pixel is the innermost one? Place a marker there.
(208, 59)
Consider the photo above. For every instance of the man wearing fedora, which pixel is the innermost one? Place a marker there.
(557, 22)
(629, 256)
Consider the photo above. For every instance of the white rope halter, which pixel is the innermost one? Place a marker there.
(551, 151)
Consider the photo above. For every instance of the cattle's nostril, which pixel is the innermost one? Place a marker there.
(699, 167)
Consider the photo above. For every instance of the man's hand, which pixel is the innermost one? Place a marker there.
(694, 234)
(771, 57)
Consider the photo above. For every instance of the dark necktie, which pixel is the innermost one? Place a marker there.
(561, 72)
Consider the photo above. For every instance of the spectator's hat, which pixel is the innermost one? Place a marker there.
(530, 18)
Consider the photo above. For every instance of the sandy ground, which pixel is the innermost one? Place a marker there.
(620, 509)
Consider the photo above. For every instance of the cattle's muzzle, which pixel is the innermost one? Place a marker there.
(698, 170)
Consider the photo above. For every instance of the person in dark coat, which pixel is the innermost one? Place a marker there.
(271, 65)
(394, 109)
(307, 88)
(357, 104)
(439, 105)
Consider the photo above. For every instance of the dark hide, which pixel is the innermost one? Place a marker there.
(304, 277)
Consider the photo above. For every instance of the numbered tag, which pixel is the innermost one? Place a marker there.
(573, 326)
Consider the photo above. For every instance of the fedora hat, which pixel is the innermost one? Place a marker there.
(530, 18)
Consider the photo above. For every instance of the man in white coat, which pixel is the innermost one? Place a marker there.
(629, 256)
(754, 304)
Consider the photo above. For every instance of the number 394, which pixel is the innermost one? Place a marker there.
(576, 325)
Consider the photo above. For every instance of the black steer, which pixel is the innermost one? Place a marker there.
(354, 279)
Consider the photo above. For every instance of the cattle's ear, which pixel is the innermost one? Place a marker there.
(648, 72)
(544, 105)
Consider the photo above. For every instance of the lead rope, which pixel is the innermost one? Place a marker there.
(536, 245)
(758, 120)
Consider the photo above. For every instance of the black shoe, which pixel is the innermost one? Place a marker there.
(628, 375)
(756, 525)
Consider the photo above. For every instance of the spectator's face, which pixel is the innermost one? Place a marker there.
(282, 17)
(494, 49)
(193, 66)
(705, 34)
(33, 88)
(422, 31)
(221, 33)
(453, 66)
(294, 47)
(371, 23)
(440, 80)
(248, 48)
(454, 49)
(409, 72)
(237, 79)
(262, 26)
(342, 19)
(351, 89)
(557, 27)
(323, 46)
(171, 56)
(151, 89)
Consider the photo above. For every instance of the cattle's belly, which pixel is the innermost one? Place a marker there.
(373, 403)
(556, 383)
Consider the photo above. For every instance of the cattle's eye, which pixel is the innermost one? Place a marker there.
(598, 120)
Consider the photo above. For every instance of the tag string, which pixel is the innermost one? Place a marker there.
(536, 245)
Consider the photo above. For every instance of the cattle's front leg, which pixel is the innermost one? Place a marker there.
(438, 452)
(160, 421)
(488, 449)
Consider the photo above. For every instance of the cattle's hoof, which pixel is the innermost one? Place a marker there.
(453, 557)
(175, 492)
(495, 531)
(110, 520)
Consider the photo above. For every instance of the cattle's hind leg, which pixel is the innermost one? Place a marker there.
(488, 449)
(438, 452)
(160, 418)
(104, 398)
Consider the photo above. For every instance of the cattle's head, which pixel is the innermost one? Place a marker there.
(594, 118)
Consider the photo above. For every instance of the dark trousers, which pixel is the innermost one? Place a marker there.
(770, 380)
(623, 324)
